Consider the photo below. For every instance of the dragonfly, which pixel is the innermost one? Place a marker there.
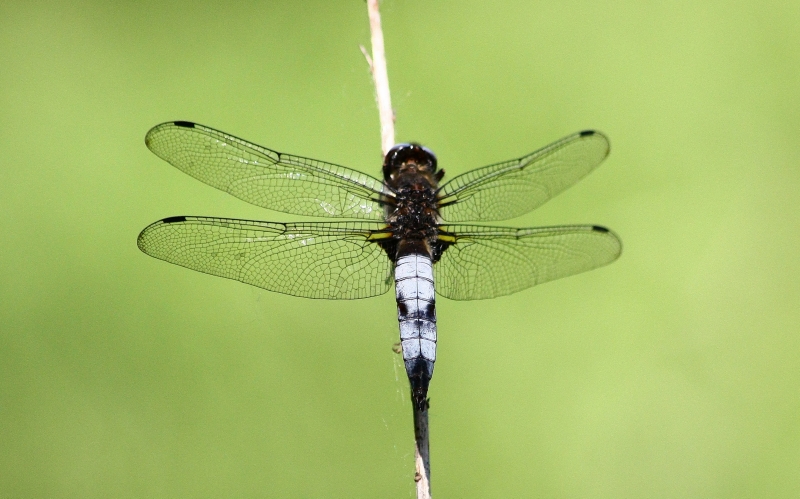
(409, 229)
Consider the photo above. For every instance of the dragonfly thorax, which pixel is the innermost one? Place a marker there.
(413, 218)
(415, 213)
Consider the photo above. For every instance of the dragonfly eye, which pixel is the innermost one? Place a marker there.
(400, 156)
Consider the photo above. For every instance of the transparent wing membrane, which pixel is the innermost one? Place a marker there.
(267, 178)
(345, 260)
(486, 262)
(312, 260)
(513, 188)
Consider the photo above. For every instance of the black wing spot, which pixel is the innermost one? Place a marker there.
(598, 228)
(185, 124)
(586, 133)
(172, 220)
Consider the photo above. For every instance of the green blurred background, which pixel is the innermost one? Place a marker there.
(671, 373)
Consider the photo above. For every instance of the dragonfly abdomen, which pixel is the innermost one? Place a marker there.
(416, 312)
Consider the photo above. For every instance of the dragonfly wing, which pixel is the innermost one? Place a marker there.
(312, 260)
(513, 188)
(485, 262)
(264, 177)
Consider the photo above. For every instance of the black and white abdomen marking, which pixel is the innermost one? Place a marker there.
(416, 312)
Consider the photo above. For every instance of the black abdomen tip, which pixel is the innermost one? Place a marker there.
(172, 220)
(586, 133)
(598, 228)
(185, 124)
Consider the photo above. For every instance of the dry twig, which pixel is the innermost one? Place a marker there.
(377, 66)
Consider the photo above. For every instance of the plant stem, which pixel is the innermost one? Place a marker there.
(422, 457)
(377, 66)
(380, 77)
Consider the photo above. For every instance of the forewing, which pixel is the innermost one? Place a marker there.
(512, 188)
(485, 262)
(312, 260)
(266, 178)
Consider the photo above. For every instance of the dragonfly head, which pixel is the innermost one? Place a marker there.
(408, 160)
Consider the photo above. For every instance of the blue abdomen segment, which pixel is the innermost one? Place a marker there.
(416, 312)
